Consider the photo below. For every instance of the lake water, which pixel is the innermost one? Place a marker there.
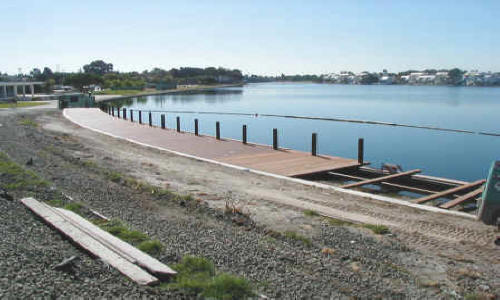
(437, 153)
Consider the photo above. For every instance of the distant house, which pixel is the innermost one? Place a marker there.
(426, 79)
(441, 78)
(413, 79)
(386, 79)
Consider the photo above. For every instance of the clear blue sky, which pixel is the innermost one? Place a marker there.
(259, 37)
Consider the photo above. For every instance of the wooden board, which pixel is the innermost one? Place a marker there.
(450, 191)
(130, 252)
(290, 163)
(461, 199)
(380, 179)
(88, 243)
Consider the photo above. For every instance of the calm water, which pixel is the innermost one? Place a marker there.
(452, 155)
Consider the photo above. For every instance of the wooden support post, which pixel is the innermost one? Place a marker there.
(131, 116)
(217, 130)
(314, 144)
(140, 117)
(178, 121)
(361, 150)
(195, 126)
(244, 134)
(150, 120)
(118, 111)
(124, 113)
(275, 139)
(162, 121)
(112, 111)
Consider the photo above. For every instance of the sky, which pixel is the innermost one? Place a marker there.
(257, 37)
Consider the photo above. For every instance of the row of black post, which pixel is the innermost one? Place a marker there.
(314, 138)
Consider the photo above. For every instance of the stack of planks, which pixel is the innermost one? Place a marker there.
(128, 260)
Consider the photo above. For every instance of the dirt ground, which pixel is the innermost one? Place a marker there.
(444, 250)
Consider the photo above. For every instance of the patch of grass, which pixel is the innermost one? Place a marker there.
(74, 207)
(120, 92)
(22, 104)
(153, 247)
(119, 229)
(28, 122)
(377, 229)
(197, 275)
(310, 213)
(226, 286)
(56, 202)
(297, 237)
(14, 177)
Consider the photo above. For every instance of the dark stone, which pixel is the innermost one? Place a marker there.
(5, 195)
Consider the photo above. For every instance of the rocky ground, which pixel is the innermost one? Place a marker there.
(317, 258)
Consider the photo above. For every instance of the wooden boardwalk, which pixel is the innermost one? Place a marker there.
(259, 157)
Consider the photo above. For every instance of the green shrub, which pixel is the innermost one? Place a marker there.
(14, 177)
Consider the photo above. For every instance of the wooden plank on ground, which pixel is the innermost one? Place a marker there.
(461, 199)
(450, 191)
(138, 257)
(88, 243)
(380, 179)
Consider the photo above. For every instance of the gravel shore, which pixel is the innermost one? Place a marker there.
(360, 264)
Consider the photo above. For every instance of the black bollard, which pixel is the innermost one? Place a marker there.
(217, 130)
(140, 117)
(244, 134)
(178, 119)
(313, 144)
(124, 114)
(275, 139)
(131, 116)
(361, 151)
(150, 120)
(162, 121)
(195, 126)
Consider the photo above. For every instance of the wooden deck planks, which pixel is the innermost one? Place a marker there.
(450, 191)
(380, 179)
(461, 199)
(253, 156)
(88, 243)
(130, 252)
(290, 163)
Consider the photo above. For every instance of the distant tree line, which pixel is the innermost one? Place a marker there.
(99, 72)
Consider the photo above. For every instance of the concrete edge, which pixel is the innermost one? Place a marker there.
(296, 180)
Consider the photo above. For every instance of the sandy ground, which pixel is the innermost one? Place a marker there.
(445, 243)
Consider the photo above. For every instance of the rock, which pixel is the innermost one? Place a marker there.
(29, 162)
(5, 195)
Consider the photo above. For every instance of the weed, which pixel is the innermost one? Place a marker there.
(28, 122)
(310, 213)
(338, 222)
(153, 247)
(479, 296)
(377, 229)
(74, 207)
(114, 176)
(22, 104)
(298, 237)
(118, 228)
(428, 283)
